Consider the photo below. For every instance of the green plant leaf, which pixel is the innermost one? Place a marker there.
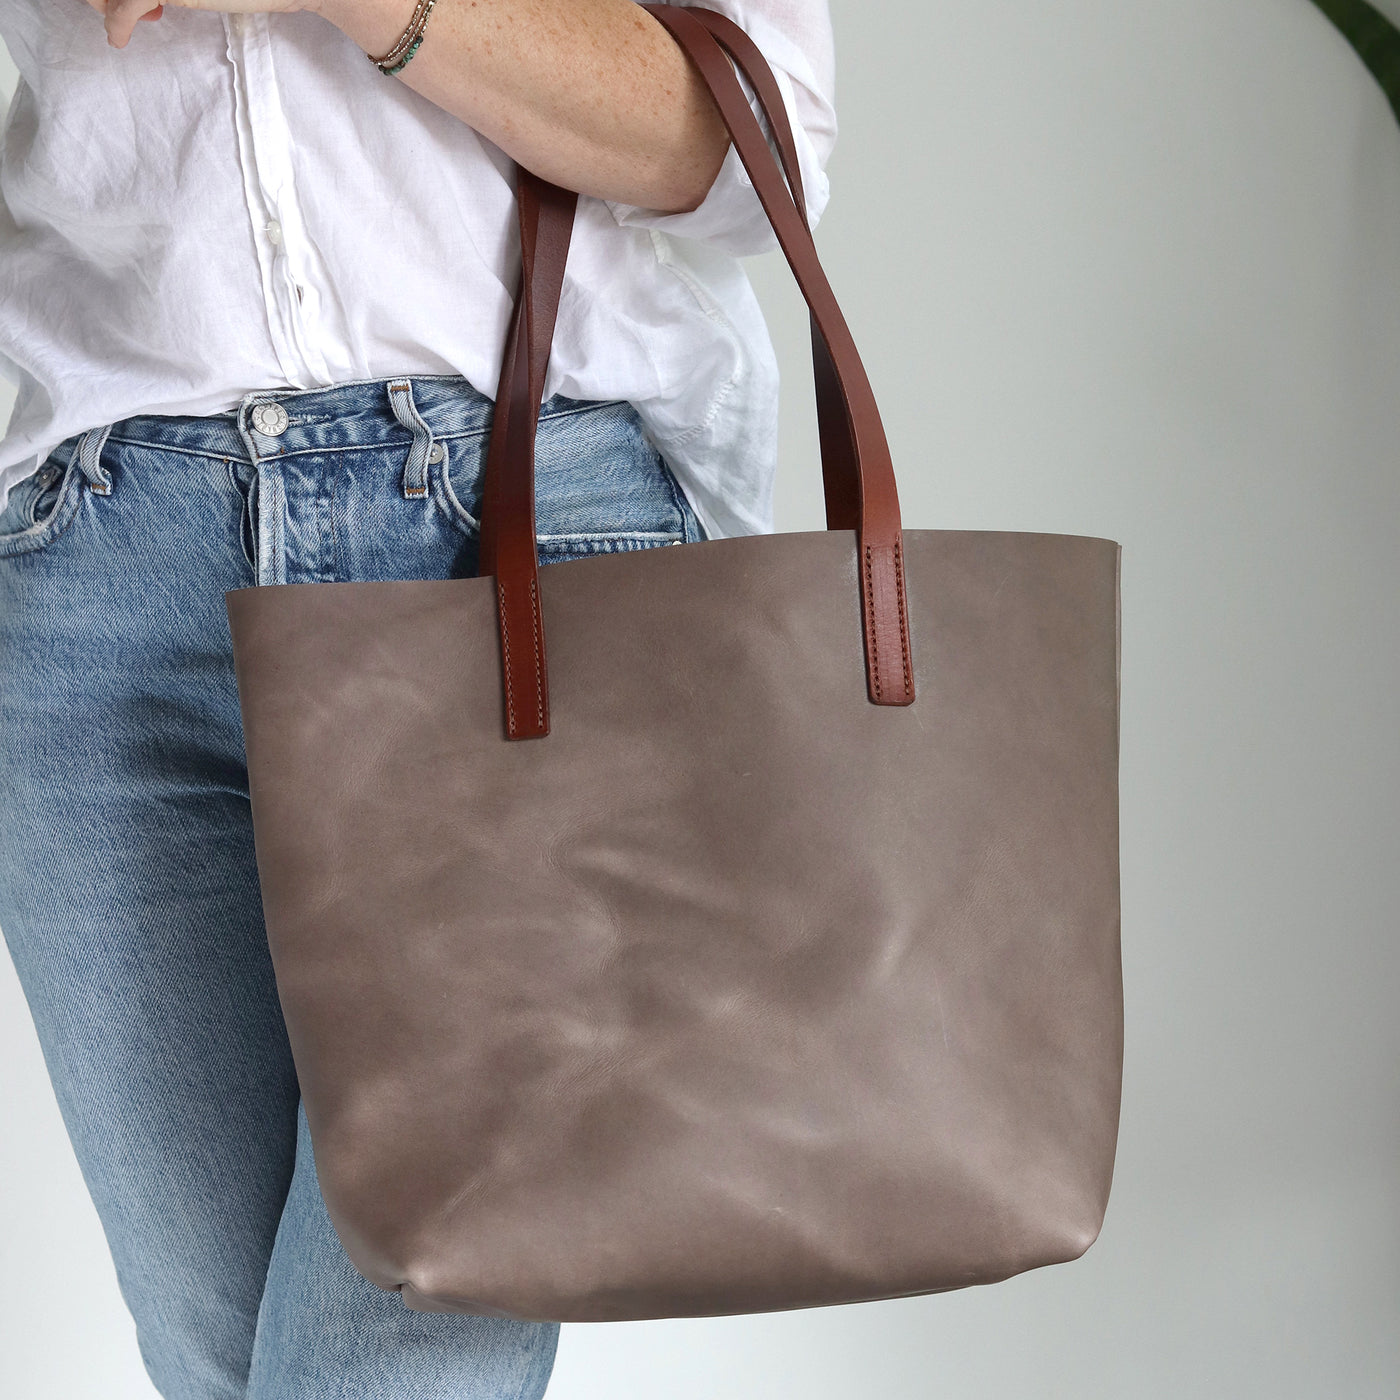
(1374, 37)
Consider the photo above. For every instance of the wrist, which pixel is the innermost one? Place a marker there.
(375, 25)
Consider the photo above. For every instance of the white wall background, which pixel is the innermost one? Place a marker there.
(1121, 269)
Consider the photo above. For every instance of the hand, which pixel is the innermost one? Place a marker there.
(122, 16)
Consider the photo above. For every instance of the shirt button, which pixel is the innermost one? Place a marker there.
(274, 231)
(235, 23)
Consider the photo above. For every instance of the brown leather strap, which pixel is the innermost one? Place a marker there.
(861, 463)
(507, 545)
(839, 477)
(856, 466)
(751, 62)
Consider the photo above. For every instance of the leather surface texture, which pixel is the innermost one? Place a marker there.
(736, 992)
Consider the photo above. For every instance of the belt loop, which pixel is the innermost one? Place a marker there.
(89, 459)
(415, 470)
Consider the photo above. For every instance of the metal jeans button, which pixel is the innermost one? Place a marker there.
(270, 418)
(437, 453)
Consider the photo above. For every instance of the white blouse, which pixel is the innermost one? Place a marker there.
(239, 202)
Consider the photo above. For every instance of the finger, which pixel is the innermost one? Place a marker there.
(122, 17)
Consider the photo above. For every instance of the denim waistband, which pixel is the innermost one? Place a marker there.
(354, 413)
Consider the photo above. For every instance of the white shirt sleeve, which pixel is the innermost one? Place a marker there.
(795, 37)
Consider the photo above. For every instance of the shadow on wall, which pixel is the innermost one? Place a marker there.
(1374, 37)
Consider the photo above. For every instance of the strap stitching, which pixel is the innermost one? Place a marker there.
(870, 623)
(903, 618)
(505, 645)
(539, 662)
(873, 632)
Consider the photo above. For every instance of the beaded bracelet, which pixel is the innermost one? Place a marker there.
(412, 36)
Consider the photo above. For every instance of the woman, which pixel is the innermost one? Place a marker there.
(254, 293)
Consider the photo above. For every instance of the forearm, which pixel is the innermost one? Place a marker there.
(592, 95)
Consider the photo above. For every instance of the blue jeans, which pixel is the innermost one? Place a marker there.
(128, 890)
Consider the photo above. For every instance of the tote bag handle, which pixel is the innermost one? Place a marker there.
(839, 475)
(858, 473)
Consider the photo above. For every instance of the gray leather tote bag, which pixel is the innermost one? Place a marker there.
(718, 928)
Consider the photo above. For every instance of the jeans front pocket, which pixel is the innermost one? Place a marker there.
(600, 485)
(41, 506)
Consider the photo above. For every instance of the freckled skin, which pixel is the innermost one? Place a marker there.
(593, 95)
